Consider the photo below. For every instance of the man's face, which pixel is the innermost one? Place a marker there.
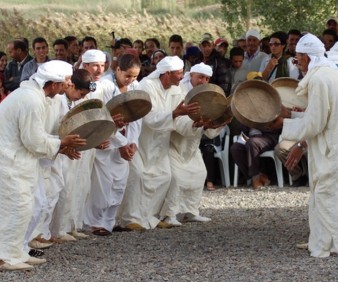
(96, 69)
(150, 48)
(59, 87)
(40, 51)
(60, 52)
(292, 42)
(11, 51)
(139, 47)
(176, 49)
(237, 61)
(252, 44)
(198, 78)
(242, 44)
(328, 41)
(222, 49)
(303, 61)
(87, 45)
(175, 77)
(276, 47)
(206, 48)
(74, 48)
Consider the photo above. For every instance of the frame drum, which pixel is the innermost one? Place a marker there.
(91, 120)
(256, 103)
(211, 99)
(286, 88)
(133, 105)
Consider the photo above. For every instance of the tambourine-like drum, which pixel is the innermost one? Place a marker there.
(255, 103)
(133, 105)
(211, 99)
(286, 88)
(227, 114)
(91, 120)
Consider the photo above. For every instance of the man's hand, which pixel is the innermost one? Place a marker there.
(103, 145)
(70, 153)
(126, 153)
(118, 119)
(72, 141)
(293, 157)
(182, 109)
(276, 124)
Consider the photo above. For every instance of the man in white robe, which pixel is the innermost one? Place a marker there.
(23, 141)
(318, 126)
(187, 166)
(150, 172)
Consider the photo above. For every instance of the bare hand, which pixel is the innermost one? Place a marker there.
(293, 157)
(126, 153)
(296, 109)
(103, 145)
(70, 153)
(72, 141)
(276, 124)
(182, 109)
(118, 119)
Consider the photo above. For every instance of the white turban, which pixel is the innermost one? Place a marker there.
(54, 70)
(93, 56)
(202, 68)
(169, 63)
(254, 33)
(311, 45)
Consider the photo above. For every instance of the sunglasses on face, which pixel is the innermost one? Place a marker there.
(276, 44)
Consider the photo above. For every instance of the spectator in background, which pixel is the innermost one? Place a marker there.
(265, 47)
(139, 46)
(176, 45)
(238, 73)
(253, 57)
(118, 49)
(18, 51)
(332, 24)
(73, 51)
(88, 43)
(192, 57)
(40, 50)
(157, 56)
(293, 37)
(221, 46)
(151, 45)
(220, 66)
(241, 43)
(3, 63)
(60, 47)
(329, 38)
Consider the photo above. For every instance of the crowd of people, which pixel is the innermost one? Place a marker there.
(152, 171)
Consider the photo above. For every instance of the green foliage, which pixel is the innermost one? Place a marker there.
(305, 15)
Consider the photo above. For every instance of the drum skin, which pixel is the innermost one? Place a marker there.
(211, 99)
(133, 105)
(256, 104)
(286, 88)
(91, 120)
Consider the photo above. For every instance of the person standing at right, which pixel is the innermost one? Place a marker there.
(318, 126)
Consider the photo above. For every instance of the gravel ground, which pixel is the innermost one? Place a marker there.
(251, 237)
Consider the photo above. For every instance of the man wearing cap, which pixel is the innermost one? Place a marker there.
(318, 126)
(187, 167)
(253, 57)
(23, 141)
(221, 46)
(220, 66)
(150, 173)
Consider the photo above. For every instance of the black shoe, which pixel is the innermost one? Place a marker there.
(301, 181)
(36, 253)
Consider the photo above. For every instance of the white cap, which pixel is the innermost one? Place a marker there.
(202, 68)
(93, 56)
(254, 33)
(169, 63)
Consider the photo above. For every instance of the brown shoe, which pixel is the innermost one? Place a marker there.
(135, 227)
(265, 179)
(257, 182)
(163, 224)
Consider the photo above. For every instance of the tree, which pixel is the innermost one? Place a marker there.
(305, 15)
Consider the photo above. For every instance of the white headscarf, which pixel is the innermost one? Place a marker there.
(169, 63)
(93, 56)
(54, 70)
(311, 45)
(198, 68)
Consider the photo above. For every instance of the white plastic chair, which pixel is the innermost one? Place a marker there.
(267, 154)
(222, 154)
